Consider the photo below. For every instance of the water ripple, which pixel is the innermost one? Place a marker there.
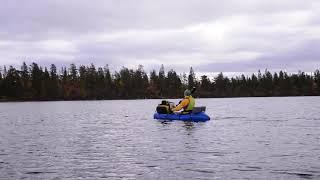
(299, 174)
(258, 138)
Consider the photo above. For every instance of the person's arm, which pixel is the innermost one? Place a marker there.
(183, 103)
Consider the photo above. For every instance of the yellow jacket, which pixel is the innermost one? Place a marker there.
(183, 103)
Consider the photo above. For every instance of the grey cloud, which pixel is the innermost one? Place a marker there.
(81, 22)
(81, 16)
(305, 57)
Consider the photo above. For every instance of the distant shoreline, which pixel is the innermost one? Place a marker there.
(36, 83)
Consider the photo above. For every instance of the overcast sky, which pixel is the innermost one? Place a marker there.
(209, 35)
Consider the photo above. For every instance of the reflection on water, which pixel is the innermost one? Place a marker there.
(188, 125)
(247, 138)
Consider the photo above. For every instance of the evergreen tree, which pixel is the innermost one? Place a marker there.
(267, 83)
(305, 84)
(4, 71)
(145, 84)
(125, 83)
(45, 84)
(25, 78)
(108, 83)
(1, 88)
(140, 82)
(36, 80)
(276, 84)
(64, 75)
(64, 83)
(184, 80)
(53, 86)
(220, 86)
(173, 84)
(73, 73)
(191, 79)
(11, 84)
(205, 86)
(254, 85)
(162, 82)
(82, 81)
(317, 82)
(288, 89)
(101, 84)
(91, 81)
(153, 88)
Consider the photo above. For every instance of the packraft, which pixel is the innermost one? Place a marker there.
(163, 111)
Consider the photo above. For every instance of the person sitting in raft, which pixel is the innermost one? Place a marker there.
(186, 104)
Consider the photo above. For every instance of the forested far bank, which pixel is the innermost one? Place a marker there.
(33, 82)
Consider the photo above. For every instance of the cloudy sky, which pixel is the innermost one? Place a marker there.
(209, 35)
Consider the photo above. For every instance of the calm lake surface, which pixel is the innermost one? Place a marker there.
(247, 138)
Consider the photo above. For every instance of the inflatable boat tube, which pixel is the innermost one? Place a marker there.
(195, 117)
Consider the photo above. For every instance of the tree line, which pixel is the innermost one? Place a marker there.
(33, 82)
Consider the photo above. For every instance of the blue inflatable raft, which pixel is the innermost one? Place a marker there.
(195, 117)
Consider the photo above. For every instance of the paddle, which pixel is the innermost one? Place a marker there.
(193, 90)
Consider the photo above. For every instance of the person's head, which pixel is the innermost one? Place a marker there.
(187, 92)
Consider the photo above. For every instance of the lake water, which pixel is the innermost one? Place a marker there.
(247, 138)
